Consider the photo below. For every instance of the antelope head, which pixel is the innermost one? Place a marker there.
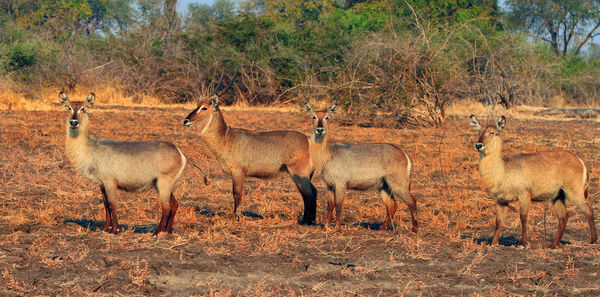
(490, 140)
(204, 112)
(78, 118)
(320, 122)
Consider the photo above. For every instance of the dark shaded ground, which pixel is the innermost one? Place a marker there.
(50, 217)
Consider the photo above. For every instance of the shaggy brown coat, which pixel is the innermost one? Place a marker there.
(555, 176)
(382, 166)
(128, 166)
(244, 153)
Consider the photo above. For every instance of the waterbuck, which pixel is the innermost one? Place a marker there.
(244, 153)
(382, 166)
(555, 176)
(129, 166)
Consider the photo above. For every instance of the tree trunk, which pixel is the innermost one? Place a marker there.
(170, 12)
(587, 37)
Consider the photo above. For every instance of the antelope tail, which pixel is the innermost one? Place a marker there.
(203, 174)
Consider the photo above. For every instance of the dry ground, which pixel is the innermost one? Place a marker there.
(49, 214)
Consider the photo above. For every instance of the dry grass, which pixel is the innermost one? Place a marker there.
(47, 99)
(212, 253)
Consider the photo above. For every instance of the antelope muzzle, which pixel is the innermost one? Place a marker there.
(73, 124)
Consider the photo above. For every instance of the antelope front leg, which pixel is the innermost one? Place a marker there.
(110, 206)
(238, 189)
(501, 209)
(330, 205)
(523, 213)
(106, 209)
(340, 195)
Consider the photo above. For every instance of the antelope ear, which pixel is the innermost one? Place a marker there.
(332, 110)
(310, 111)
(475, 123)
(501, 123)
(89, 101)
(62, 97)
(214, 101)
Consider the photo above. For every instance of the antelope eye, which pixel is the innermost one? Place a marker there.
(82, 109)
(326, 118)
(203, 108)
(314, 117)
(69, 108)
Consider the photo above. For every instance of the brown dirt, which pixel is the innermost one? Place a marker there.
(49, 215)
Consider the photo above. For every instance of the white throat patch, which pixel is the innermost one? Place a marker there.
(208, 124)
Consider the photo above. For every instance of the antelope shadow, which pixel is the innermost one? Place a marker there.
(94, 225)
(504, 240)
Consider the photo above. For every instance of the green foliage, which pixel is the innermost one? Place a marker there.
(255, 7)
(299, 10)
(71, 16)
(384, 54)
(200, 15)
(241, 32)
(110, 14)
(17, 52)
(291, 51)
(21, 55)
(148, 11)
(565, 24)
(448, 12)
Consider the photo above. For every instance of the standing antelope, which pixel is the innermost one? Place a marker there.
(129, 166)
(556, 176)
(382, 166)
(244, 153)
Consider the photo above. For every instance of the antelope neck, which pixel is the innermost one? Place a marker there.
(78, 147)
(320, 152)
(215, 132)
(492, 170)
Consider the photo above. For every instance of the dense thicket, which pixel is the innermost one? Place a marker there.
(385, 55)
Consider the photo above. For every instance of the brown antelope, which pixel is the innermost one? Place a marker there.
(129, 166)
(382, 166)
(244, 153)
(555, 176)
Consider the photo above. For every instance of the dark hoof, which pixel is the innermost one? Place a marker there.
(166, 234)
(109, 230)
(308, 223)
